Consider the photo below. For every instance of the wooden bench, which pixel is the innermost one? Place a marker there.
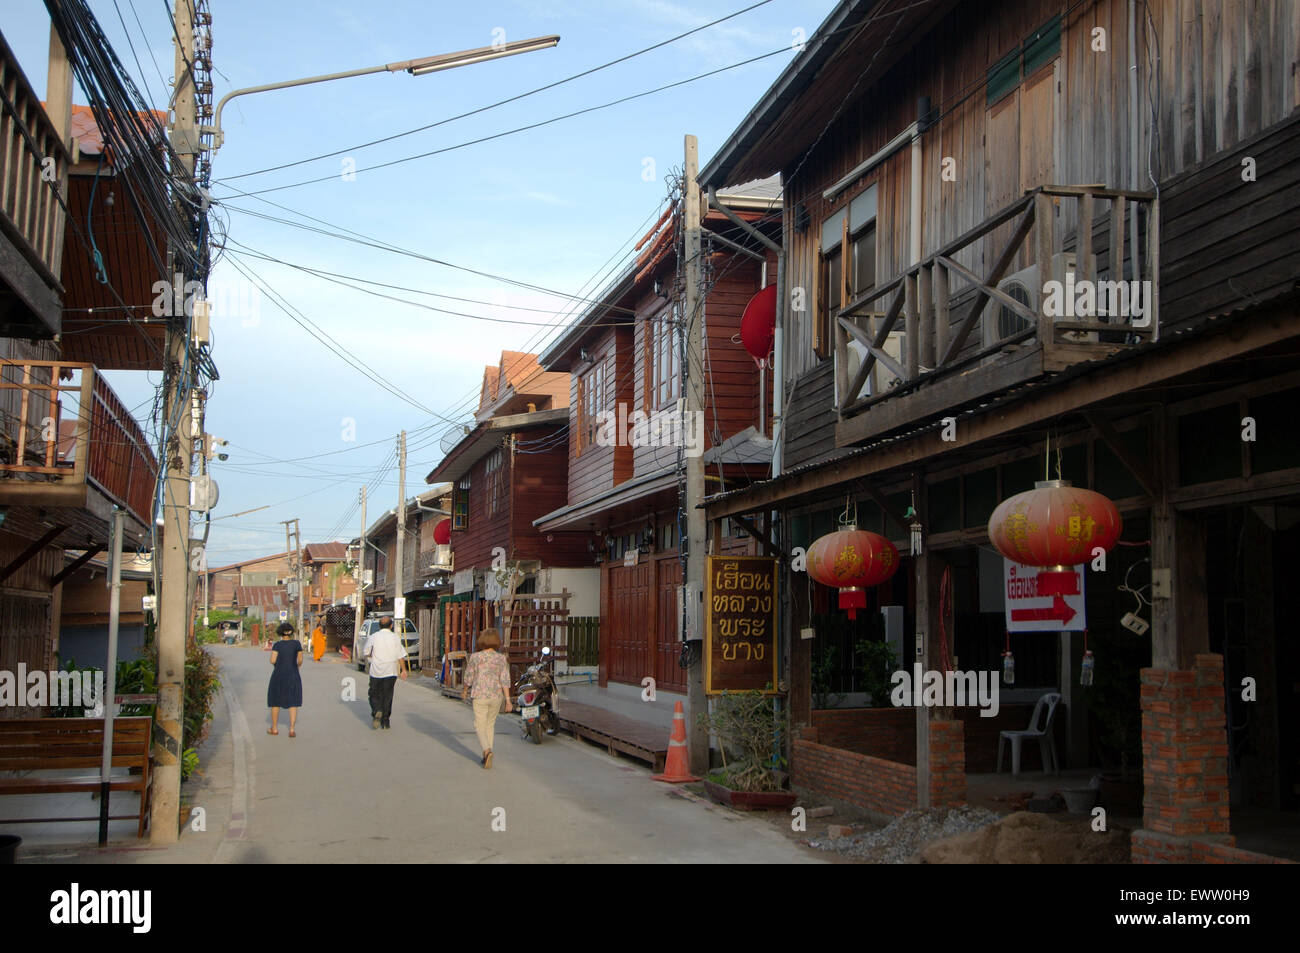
(615, 733)
(49, 744)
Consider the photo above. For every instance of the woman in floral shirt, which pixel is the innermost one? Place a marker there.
(487, 678)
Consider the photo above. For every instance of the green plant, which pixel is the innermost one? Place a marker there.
(823, 666)
(750, 729)
(210, 633)
(201, 686)
(134, 677)
(878, 666)
(189, 763)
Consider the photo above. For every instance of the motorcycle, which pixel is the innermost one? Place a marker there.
(536, 699)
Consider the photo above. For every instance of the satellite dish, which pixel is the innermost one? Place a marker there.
(454, 435)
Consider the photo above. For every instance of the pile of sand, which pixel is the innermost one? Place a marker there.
(1025, 838)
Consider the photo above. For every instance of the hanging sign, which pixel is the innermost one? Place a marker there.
(740, 603)
(1030, 610)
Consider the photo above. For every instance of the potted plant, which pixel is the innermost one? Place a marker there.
(878, 666)
(751, 737)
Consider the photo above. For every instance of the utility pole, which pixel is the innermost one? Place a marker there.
(293, 548)
(697, 735)
(361, 571)
(173, 621)
(399, 587)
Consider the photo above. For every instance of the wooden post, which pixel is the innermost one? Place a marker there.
(1044, 244)
(925, 279)
(942, 327)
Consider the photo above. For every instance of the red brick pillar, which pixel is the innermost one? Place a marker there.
(1185, 750)
(947, 763)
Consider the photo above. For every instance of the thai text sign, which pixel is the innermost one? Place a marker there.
(1029, 610)
(740, 601)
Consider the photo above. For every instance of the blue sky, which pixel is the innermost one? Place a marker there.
(554, 207)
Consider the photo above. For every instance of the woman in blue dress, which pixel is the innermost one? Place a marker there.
(285, 690)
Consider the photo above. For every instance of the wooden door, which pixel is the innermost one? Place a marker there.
(628, 625)
(669, 675)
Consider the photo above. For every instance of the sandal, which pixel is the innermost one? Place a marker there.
(272, 731)
(292, 733)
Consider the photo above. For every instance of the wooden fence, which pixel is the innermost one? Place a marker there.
(584, 640)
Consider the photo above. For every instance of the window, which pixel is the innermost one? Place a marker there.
(663, 358)
(1040, 48)
(591, 403)
(857, 220)
(460, 504)
(495, 482)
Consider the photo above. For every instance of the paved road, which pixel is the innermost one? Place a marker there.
(341, 792)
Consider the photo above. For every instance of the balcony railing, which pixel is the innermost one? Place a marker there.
(918, 328)
(33, 164)
(62, 428)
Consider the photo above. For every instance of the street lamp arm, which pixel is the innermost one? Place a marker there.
(416, 67)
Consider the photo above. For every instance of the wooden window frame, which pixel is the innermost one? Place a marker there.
(494, 471)
(661, 340)
(1038, 51)
(824, 311)
(593, 393)
(460, 503)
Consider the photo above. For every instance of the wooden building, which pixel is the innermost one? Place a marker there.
(623, 358)
(507, 470)
(70, 451)
(956, 175)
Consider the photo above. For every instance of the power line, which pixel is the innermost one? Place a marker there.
(503, 102)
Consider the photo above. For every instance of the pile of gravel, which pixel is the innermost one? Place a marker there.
(903, 838)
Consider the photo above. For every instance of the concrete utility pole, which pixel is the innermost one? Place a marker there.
(173, 621)
(698, 702)
(361, 571)
(293, 548)
(399, 586)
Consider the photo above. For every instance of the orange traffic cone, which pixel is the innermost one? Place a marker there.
(676, 768)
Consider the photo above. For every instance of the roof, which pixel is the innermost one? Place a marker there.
(852, 49)
(272, 596)
(248, 562)
(388, 518)
(325, 552)
(517, 382)
(85, 130)
(486, 436)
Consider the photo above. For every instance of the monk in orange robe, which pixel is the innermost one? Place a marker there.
(317, 643)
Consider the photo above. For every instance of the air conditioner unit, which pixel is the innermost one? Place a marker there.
(1026, 286)
(857, 353)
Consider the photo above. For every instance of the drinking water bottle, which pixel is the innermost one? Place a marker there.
(1008, 668)
(1085, 670)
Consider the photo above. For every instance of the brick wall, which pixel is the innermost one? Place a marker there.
(1185, 750)
(880, 784)
(947, 763)
(1153, 847)
(890, 733)
(873, 784)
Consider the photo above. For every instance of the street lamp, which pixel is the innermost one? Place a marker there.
(416, 67)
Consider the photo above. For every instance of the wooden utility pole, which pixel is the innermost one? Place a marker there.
(399, 585)
(697, 735)
(174, 610)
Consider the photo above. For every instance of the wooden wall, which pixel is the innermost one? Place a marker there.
(536, 484)
(597, 468)
(1225, 71)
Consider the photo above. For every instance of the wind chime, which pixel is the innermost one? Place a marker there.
(1054, 527)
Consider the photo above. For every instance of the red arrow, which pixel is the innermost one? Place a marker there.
(1060, 611)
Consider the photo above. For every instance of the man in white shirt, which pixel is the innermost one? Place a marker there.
(387, 658)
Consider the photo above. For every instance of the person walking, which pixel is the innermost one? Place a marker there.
(487, 679)
(285, 688)
(387, 658)
(317, 642)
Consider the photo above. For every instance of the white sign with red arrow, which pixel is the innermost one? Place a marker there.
(1030, 609)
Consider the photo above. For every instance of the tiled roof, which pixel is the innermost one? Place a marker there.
(265, 596)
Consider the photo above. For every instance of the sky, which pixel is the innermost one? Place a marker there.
(556, 207)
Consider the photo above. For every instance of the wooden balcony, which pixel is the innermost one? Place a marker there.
(941, 336)
(68, 443)
(33, 164)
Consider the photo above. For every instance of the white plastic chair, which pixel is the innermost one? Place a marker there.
(1046, 741)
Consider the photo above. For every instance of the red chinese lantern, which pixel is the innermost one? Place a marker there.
(442, 532)
(758, 324)
(852, 560)
(1055, 526)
